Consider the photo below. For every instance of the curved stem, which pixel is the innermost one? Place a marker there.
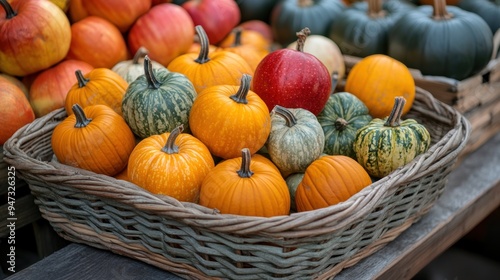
(245, 171)
(140, 53)
(237, 36)
(375, 9)
(394, 118)
(286, 114)
(82, 81)
(81, 118)
(170, 147)
(241, 95)
(439, 12)
(302, 35)
(9, 12)
(204, 45)
(153, 83)
(340, 124)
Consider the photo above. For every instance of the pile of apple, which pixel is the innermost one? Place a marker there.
(44, 42)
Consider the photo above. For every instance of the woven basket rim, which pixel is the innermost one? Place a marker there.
(289, 226)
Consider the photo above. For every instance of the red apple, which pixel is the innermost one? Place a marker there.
(293, 79)
(166, 31)
(217, 17)
(98, 42)
(34, 35)
(15, 111)
(49, 89)
(120, 13)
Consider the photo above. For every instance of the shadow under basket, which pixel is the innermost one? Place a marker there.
(195, 242)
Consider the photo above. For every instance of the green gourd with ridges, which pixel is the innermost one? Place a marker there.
(385, 145)
(296, 139)
(158, 101)
(344, 114)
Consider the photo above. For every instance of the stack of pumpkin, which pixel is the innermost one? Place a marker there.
(235, 127)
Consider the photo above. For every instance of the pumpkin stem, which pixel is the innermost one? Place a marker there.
(237, 36)
(153, 83)
(140, 53)
(439, 12)
(302, 35)
(245, 171)
(81, 118)
(170, 147)
(204, 45)
(305, 3)
(394, 118)
(340, 124)
(9, 12)
(82, 81)
(241, 95)
(375, 9)
(286, 114)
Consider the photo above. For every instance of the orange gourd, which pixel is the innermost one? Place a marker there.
(172, 164)
(245, 186)
(99, 86)
(377, 80)
(246, 37)
(229, 118)
(210, 68)
(330, 180)
(93, 138)
(252, 54)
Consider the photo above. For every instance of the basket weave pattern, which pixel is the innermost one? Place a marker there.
(195, 242)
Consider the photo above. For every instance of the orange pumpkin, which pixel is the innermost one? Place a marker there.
(229, 118)
(245, 186)
(94, 138)
(15, 111)
(172, 164)
(252, 54)
(210, 68)
(330, 180)
(246, 37)
(377, 80)
(99, 86)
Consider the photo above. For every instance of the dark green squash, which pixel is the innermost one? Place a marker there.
(292, 182)
(256, 9)
(385, 145)
(489, 10)
(158, 101)
(362, 29)
(442, 40)
(296, 139)
(344, 114)
(290, 16)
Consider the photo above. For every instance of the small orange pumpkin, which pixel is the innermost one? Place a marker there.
(246, 37)
(94, 138)
(246, 186)
(330, 180)
(229, 118)
(377, 80)
(210, 68)
(99, 86)
(172, 164)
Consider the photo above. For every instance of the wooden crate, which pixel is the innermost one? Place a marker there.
(477, 97)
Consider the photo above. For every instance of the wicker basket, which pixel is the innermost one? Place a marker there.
(195, 242)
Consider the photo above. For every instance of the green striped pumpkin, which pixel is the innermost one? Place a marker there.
(384, 145)
(341, 118)
(158, 101)
(296, 139)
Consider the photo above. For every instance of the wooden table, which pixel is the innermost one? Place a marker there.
(473, 191)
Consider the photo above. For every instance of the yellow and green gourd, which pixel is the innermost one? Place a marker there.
(387, 144)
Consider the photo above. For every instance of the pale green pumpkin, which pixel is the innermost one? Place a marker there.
(296, 139)
(385, 145)
(158, 101)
